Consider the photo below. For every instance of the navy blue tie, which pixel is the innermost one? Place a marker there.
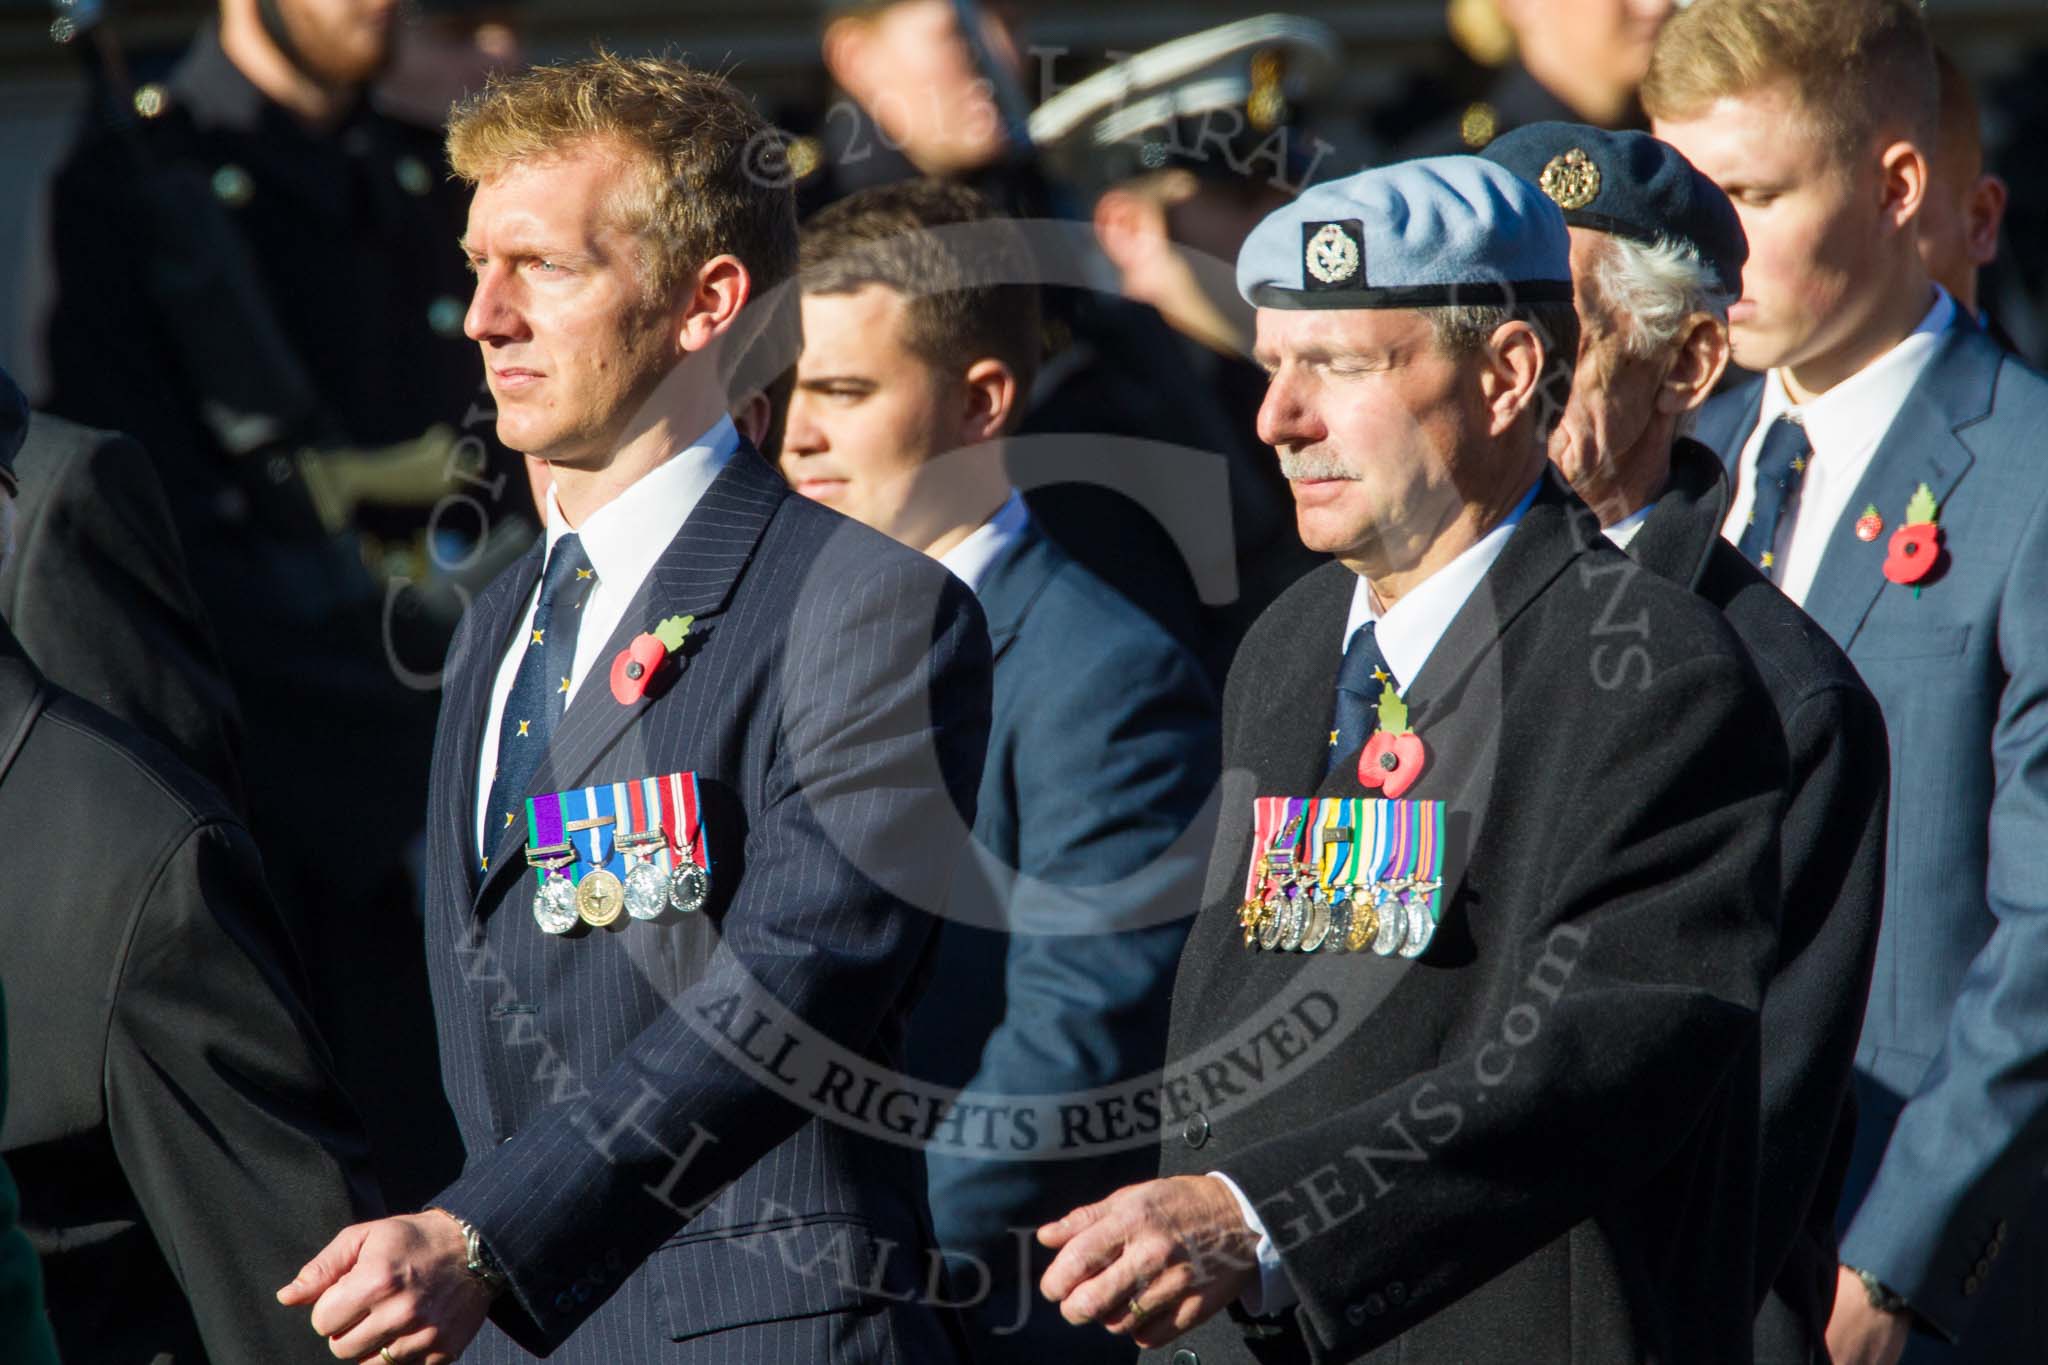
(1359, 683)
(540, 689)
(1780, 465)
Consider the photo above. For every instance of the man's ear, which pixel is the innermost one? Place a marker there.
(1514, 365)
(1984, 215)
(716, 293)
(751, 416)
(993, 395)
(1903, 176)
(1697, 366)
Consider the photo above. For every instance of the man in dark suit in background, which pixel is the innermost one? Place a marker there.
(1055, 970)
(1657, 256)
(1575, 60)
(98, 594)
(1499, 1104)
(1959, 223)
(25, 1335)
(779, 717)
(1887, 476)
(173, 1119)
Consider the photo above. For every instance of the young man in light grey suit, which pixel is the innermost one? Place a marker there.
(1887, 475)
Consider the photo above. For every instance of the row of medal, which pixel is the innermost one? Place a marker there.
(1344, 875)
(639, 846)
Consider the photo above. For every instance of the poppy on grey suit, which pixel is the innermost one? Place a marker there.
(1944, 1200)
(1535, 1142)
(651, 1194)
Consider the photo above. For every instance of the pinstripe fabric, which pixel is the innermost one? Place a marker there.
(833, 699)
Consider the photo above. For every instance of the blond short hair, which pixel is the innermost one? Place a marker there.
(706, 176)
(1855, 65)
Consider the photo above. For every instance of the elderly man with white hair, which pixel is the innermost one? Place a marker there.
(1657, 256)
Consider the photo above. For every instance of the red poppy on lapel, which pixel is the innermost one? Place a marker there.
(1394, 757)
(634, 666)
(1915, 547)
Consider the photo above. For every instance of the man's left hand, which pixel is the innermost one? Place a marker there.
(398, 1285)
(1859, 1333)
(1152, 1260)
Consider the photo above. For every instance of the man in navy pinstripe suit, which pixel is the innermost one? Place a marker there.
(648, 1177)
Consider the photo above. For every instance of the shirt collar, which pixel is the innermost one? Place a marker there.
(1624, 531)
(628, 534)
(1409, 630)
(970, 560)
(1857, 412)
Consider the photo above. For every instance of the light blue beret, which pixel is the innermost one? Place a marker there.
(1445, 230)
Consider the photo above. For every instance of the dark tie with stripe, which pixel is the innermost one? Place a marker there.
(1359, 683)
(540, 689)
(1780, 465)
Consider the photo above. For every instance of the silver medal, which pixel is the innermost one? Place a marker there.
(554, 908)
(646, 890)
(690, 887)
(1421, 928)
(1393, 926)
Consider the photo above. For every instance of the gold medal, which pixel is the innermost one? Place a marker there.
(600, 898)
(1364, 927)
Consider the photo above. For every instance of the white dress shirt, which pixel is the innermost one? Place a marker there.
(1844, 426)
(1624, 531)
(623, 539)
(969, 561)
(1407, 633)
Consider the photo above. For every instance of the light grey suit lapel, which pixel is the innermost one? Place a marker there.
(1926, 444)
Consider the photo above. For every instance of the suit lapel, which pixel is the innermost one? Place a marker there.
(1012, 584)
(1726, 423)
(469, 680)
(1923, 445)
(693, 577)
(1297, 690)
(1677, 539)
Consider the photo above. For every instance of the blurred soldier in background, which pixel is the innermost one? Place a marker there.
(930, 88)
(446, 49)
(256, 278)
(1965, 205)
(1183, 149)
(1577, 61)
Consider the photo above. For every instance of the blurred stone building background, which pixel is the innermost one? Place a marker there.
(1397, 53)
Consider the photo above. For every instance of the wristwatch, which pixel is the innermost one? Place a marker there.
(1882, 1297)
(482, 1266)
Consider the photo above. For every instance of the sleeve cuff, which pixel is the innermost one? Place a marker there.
(1272, 1293)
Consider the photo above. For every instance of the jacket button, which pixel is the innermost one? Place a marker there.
(1355, 1314)
(1983, 1268)
(1375, 1305)
(1397, 1293)
(1196, 1131)
(1998, 1233)
(1186, 1357)
(1972, 1285)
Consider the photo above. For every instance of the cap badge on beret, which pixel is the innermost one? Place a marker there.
(1571, 180)
(1332, 252)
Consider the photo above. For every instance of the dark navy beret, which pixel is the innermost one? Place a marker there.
(13, 427)
(1630, 185)
(1441, 231)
